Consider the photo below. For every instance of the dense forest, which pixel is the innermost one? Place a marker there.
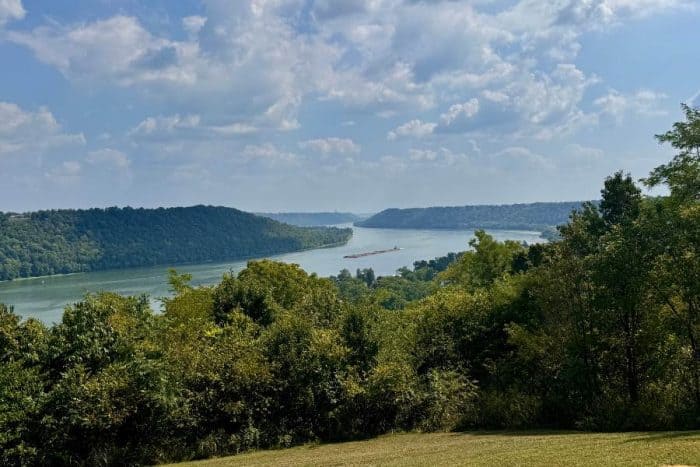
(309, 219)
(65, 241)
(532, 216)
(597, 331)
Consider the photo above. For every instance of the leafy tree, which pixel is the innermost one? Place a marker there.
(488, 261)
(620, 200)
(674, 226)
(682, 173)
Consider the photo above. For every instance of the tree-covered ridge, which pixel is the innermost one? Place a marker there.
(531, 216)
(65, 241)
(308, 219)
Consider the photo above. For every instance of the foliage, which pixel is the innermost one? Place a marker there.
(532, 216)
(64, 241)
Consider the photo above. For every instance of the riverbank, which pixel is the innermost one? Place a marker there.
(45, 301)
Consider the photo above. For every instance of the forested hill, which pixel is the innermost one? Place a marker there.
(531, 216)
(65, 241)
(312, 218)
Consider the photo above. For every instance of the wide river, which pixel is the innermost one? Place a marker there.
(45, 297)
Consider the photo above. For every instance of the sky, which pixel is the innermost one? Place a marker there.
(349, 105)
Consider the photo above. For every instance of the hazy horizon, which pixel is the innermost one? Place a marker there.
(354, 212)
(318, 105)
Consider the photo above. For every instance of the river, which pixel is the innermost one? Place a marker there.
(44, 298)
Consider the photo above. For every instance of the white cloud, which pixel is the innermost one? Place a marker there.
(193, 24)
(535, 104)
(466, 110)
(108, 157)
(422, 155)
(392, 164)
(414, 128)
(332, 145)
(643, 102)
(269, 154)
(118, 50)
(66, 173)
(459, 116)
(27, 132)
(250, 68)
(234, 129)
(11, 10)
(157, 126)
(259, 62)
(636, 8)
(518, 157)
(174, 128)
(442, 155)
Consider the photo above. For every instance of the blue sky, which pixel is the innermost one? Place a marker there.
(278, 105)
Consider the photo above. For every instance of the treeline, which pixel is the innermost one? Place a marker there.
(597, 331)
(532, 216)
(309, 219)
(65, 241)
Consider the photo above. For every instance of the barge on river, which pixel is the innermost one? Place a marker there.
(370, 253)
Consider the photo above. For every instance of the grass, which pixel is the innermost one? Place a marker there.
(488, 448)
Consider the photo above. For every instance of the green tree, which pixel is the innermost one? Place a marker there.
(674, 224)
(488, 261)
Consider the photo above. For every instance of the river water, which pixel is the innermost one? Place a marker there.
(44, 298)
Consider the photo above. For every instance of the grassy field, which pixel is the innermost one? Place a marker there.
(488, 448)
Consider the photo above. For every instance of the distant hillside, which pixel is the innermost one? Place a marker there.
(532, 216)
(64, 241)
(305, 219)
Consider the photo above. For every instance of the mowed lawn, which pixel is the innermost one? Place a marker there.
(488, 448)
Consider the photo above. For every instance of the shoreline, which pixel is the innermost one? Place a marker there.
(173, 265)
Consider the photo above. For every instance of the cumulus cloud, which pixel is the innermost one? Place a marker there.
(234, 129)
(185, 127)
(326, 146)
(414, 128)
(533, 104)
(459, 116)
(446, 74)
(66, 173)
(269, 155)
(643, 102)
(466, 110)
(259, 62)
(108, 157)
(621, 8)
(11, 10)
(28, 132)
(193, 24)
(117, 49)
(441, 155)
(522, 158)
(154, 126)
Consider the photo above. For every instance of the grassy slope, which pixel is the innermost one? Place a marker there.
(474, 449)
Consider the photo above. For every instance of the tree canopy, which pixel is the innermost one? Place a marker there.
(64, 241)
